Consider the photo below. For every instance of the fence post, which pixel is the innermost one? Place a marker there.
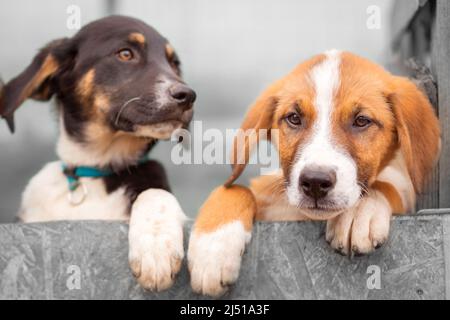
(441, 67)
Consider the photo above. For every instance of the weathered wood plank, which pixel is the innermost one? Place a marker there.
(402, 14)
(446, 235)
(414, 43)
(441, 69)
(422, 76)
(286, 260)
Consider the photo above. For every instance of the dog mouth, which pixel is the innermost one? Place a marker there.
(151, 120)
(161, 130)
(320, 210)
(325, 206)
(321, 213)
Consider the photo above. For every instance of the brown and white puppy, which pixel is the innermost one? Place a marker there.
(355, 145)
(118, 88)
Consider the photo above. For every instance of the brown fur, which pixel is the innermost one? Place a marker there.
(406, 120)
(391, 195)
(417, 128)
(236, 203)
(169, 51)
(364, 87)
(86, 86)
(48, 68)
(137, 37)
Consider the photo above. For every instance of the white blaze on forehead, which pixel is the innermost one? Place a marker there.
(321, 149)
(325, 78)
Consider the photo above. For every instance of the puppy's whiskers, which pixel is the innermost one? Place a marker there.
(123, 108)
(276, 188)
(364, 189)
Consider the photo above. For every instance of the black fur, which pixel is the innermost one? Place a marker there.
(137, 179)
(152, 74)
(96, 47)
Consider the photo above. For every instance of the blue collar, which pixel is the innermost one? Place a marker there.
(73, 174)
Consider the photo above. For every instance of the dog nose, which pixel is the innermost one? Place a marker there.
(316, 183)
(183, 95)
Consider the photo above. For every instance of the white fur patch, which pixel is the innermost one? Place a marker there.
(321, 150)
(215, 258)
(156, 239)
(45, 199)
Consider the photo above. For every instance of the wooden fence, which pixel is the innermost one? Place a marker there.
(421, 37)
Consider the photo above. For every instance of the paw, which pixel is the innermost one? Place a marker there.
(360, 230)
(156, 239)
(215, 258)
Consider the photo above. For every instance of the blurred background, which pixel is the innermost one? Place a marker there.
(230, 51)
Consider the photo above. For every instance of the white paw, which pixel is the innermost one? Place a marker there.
(215, 258)
(362, 229)
(156, 239)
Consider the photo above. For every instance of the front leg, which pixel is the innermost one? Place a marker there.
(156, 239)
(364, 228)
(218, 239)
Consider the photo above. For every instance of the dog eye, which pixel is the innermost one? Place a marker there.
(175, 62)
(361, 122)
(125, 54)
(294, 119)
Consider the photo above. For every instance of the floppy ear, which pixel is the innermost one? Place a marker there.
(34, 82)
(258, 117)
(417, 129)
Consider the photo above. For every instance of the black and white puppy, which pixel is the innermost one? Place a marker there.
(118, 88)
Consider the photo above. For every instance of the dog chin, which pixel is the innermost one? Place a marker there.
(160, 131)
(321, 214)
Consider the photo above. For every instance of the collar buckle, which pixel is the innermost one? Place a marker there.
(72, 197)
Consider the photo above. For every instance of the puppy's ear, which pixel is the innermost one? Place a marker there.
(258, 117)
(417, 129)
(34, 82)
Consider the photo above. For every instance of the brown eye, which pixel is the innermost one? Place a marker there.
(294, 119)
(362, 122)
(125, 54)
(175, 62)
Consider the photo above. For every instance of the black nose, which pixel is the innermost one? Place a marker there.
(316, 183)
(183, 95)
